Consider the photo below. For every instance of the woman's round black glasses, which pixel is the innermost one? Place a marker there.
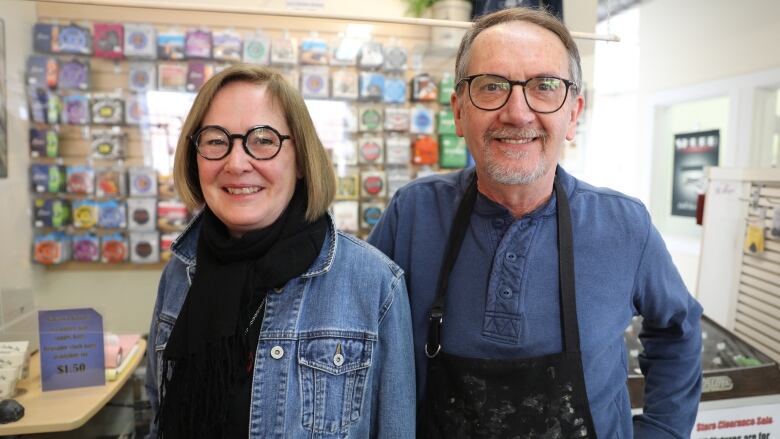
(261, 142)
(543, 94)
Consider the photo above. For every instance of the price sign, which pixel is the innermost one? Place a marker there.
(71, 348)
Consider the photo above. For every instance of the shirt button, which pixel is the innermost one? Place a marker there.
(277, 352)
(506, 293)
(338, 359)
(511, 257)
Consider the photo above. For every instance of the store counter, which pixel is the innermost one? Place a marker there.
(63, 410)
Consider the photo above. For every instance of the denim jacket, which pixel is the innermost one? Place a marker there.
(334, 357)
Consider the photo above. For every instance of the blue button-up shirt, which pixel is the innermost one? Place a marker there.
(334, 356)
(503, 300)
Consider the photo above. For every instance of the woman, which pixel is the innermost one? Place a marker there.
(268, 321)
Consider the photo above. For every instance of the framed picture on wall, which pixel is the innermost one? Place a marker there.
(692, 153)
(3, 113)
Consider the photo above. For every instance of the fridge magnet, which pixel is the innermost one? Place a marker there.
(314, 51)
(74, 74)
(371, 55)
(421, 120)
(348, 186)
(170, 45)
(72, 39)
(142, 76)
(140, 41)
(172, 77)
(75, 109)
(426, 151)
(110, 182)
(345, 84)
(85, 248)
(198, 43)
(109, 39)
(51, 212)
(107, 110)
(84, 214)
(370, 118)
(314, 81)
(145, 247)
(370, 213)
(143, 182)
(398, 150)
(113, 248)
(396, 119)
(51, 248)
(372, 183)
(111, 214)
(257, 49)
(371, 150)
(284, 51)
(372, 85)
(394, 91)
(424, 88)
(141, 213)
(106, 145)
(226, 46)
(80, 179)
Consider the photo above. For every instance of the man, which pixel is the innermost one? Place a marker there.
(510, 339)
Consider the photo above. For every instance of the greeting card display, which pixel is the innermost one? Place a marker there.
(72, 39)
(109, 40)
(141, 213)
(396, 119)
(44, 142)
(371, 55)
(144, 247)
(80, 180)
(140, 41)
(84, 214)
(112, 214)
(74, 74)
(170, 45)
(314, 81)
(373, 184)
(314, 51)
(143, 182)
(51, 212)
(107, 110)
(257, 49)
(75, 109)
(452, 151)
(142, 76)
(198, 43)
(110, 182)
(85, 248)
(446, 122)
(370, 213)
(226, 46)
(424, 88)
(426, 151)
(42, 70)
(394, 91)
(284, 51)
(113, 248)
(345, 84)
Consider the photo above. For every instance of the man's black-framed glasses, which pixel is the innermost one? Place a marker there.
(543, 94)
(261, 142)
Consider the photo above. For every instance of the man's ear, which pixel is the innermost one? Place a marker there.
(457, 110)
(574, 114)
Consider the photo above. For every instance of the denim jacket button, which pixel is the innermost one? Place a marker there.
(338, 360)
(277, 352)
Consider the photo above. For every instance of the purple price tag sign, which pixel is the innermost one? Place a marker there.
(71, 348)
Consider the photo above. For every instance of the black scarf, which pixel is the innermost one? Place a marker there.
(207, 350)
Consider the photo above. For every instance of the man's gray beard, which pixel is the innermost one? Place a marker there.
(506, 173)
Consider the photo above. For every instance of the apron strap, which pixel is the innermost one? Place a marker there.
(457, 233)
(569, 330)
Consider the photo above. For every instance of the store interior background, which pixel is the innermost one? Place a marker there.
(680, 67)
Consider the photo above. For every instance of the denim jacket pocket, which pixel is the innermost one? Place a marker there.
(333, 373)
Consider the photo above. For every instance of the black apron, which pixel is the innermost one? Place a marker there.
(541, 397)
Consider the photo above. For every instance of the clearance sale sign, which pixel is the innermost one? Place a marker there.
(752, 422)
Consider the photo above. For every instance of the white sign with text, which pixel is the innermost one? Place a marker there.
(750, 422)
